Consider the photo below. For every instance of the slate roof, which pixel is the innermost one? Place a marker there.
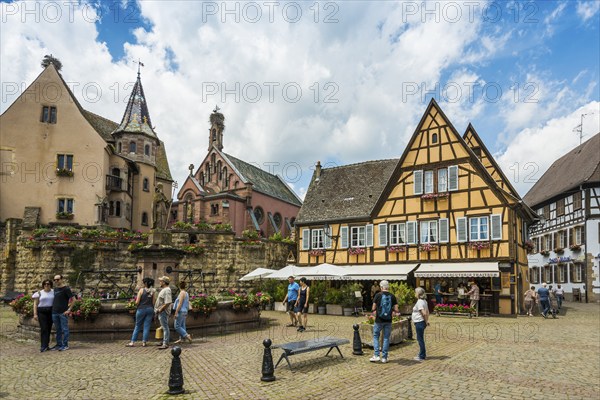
(103, 126)
(346, 192)
(578, 167)
(137, 117)
(162, 164)
(264, 182)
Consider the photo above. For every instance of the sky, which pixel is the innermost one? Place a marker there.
(336, 82)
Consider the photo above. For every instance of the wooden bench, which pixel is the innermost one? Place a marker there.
(304, 346)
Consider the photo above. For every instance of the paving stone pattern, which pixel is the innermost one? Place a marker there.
(483, 358)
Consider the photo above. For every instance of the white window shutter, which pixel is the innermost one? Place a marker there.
(344, 237)
(326, 239)
(418, 182)
(411, 232)
(453, 177)
(369, 235)
(383, 233)
(496, 226)
(461, 229)
(443, 229)
(305, 239)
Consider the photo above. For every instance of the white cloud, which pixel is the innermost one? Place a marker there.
(587, 9)
(551, 18)
(532, 151)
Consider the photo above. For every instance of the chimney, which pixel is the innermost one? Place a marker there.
(318, 171)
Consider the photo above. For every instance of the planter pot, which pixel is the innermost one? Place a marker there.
(348, 311)
(334, 309)
(279, 306)
(406, 309)
(322, 310)
(399, 333)
(312, 308)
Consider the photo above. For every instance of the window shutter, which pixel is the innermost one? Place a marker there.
(411, 232)
(443, 228)
(383, 233)
(418, 182)
(305, 239)
(461, 229)
(326, 238)
(496, 226)
(369, 235)
(344, 237)
(453, 177)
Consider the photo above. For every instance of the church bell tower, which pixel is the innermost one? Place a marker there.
(215, 133)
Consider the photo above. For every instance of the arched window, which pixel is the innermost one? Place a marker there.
(111, 208)
(117, 208)
(292, 221)
(220, 170)
(214, 134)
(119, 147)
(277, 219)
(201, 178)
(146, 185)
(132, 147)
(147, 149)
(434, 138)
(259, 214)
(116, 172)
(145, 218)
(213, 162)
(235, 184)
(207, 172)
(226, 177)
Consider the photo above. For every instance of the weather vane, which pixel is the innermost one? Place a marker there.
(216, 109)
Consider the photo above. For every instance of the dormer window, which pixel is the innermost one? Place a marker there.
(132, 147)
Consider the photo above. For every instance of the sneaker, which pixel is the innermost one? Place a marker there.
(43, 349)
(545, 316)
(164, 346)
(64, 348)
(189, 338)
(384, 360)
(54, 348)
(375, 359)
(419, 359)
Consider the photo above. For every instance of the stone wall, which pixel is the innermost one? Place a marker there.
(225, 259)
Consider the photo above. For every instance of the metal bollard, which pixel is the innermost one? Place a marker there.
(356, 343)
(410, 333)
(268, 370)
(176, 374)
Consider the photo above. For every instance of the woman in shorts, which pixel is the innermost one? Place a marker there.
(301, 308)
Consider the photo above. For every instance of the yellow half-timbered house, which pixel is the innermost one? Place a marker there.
(445, 213)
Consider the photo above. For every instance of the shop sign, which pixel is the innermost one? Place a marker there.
(561, 260)
(505, 267)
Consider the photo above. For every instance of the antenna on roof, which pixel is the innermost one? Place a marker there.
(579, 128)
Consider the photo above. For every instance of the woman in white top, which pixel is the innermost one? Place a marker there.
(420, 316)
(42, 312)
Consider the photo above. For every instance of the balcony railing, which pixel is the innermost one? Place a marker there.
(114, 183)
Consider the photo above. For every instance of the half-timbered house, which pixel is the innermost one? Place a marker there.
(444, 210)
(565, 243)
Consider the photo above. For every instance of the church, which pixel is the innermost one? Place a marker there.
(224, 189)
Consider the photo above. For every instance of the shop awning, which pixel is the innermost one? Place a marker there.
(480, 269)
(379, 271)
(285, 272)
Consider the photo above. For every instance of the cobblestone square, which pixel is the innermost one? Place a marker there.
(484, 358)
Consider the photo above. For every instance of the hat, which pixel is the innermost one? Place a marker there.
(165, 279)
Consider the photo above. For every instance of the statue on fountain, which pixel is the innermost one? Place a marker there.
(161, 209)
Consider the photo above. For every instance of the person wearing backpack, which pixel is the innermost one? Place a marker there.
(384, 307)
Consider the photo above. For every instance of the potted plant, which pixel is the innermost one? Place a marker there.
(405, 295)
(85, 308)
(317, 293)
(333, 300)
(131, 306)
(349, 299)
(23, 305)
(398, 334)
(279, 295)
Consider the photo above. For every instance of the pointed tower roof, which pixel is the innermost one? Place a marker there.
(137, 118)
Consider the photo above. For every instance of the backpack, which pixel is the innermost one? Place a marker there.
(384, 311)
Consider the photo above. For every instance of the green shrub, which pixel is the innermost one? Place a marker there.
(404, 293)
(334, 296)
(250, 234)
(317, 292)
(280, 293)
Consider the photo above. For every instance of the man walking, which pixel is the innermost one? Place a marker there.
(291, 297)
(63, 299)
(384, 305)
(544, 296)
(474, 297)
(162, 308)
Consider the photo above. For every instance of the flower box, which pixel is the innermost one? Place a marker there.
(544, 252)
(316, 253)
(64, 172)
(64, 215)
(356, 250)
(398, 335)
(559, 250)
(334, 309)
(453, 310)
(575, 247)
(479, 245)
(428, 247)
(396, 249)
(430, 196)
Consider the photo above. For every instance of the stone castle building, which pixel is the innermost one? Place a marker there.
(225, 189)
(60, 163)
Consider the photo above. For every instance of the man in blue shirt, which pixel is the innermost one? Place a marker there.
(544, 297)
(290, 298)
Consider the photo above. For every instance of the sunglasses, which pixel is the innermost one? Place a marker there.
(47, 283)
(56, 280)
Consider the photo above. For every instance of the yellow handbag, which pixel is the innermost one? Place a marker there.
(159, 333)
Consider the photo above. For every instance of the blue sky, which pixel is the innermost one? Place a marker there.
(521, 72)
